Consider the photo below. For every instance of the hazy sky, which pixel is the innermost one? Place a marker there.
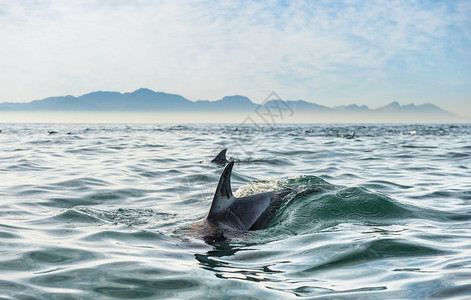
(328, 52)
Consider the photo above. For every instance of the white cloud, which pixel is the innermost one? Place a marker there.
(208, 49)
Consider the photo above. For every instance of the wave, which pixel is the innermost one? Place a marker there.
(317, 205)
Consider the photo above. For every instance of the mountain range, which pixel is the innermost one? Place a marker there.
(147, 100)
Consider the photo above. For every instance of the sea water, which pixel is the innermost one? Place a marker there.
(107, 210)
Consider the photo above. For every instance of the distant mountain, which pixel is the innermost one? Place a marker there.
(395, 107)
(148, 100)
(238, 103)
(299, 105)
(352, 108)
(139, 100)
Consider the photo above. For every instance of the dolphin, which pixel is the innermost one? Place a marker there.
(350, 136)
(229, 214)
(220, 158)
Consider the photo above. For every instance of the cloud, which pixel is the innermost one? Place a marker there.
(208, 49)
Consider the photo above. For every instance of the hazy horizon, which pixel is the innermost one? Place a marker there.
(329, 53)
(242, 118)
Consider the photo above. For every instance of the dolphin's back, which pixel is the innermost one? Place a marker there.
(276, 200)
(249, 209)
(258, 210)
(246, 213)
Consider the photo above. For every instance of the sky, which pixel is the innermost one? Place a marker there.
(328, 52)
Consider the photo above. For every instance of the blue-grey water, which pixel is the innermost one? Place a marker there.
(108, 210)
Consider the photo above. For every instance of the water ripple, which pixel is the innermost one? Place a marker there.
(107, 211)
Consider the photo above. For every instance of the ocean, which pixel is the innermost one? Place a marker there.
(107, 211)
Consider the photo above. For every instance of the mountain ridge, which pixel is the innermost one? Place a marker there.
(144, 99)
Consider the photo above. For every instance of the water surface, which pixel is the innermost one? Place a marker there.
(106, 211)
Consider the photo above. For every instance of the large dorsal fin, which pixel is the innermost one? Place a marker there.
(220, 158)
(223, 196)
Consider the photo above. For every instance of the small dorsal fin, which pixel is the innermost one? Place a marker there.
(220, 158)
(223, 196)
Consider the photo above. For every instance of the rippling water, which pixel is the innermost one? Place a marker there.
(106, 211)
